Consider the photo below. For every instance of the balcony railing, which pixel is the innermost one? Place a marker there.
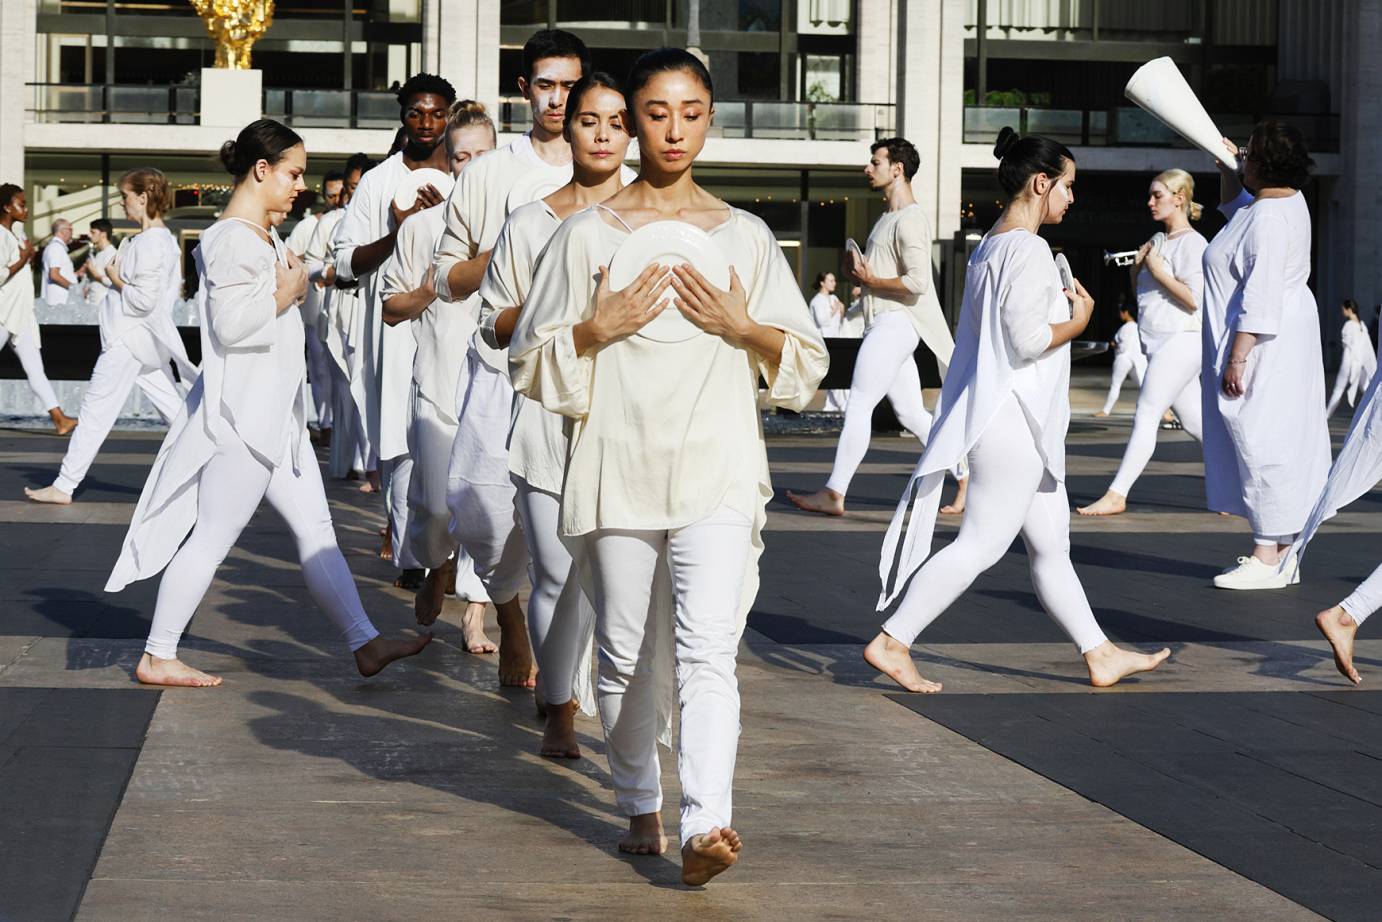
(1128, 127)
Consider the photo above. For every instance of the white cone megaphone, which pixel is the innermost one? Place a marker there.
(1160, 88)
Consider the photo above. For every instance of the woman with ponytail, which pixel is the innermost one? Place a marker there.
(1168, 275)
(243, 436)
(1005, 406)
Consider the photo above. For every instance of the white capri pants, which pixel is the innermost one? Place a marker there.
(1010, 493)
(117, 370)
(1123, 363)
(884, 368)
(229, 490)
(25, 345)
(706, 562)
(1172, 381)
(559, 622)
(1366, 599)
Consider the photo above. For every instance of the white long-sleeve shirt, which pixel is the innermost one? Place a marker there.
(900, 246)
(140, 315)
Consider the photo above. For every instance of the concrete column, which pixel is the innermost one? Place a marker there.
(875, 63)
(1355, 241)
(18, 37)
(930, 102)
(461, 43)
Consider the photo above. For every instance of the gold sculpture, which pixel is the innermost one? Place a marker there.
(235, 25)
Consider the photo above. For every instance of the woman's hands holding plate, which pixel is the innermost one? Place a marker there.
(624, 312)
(720, 313)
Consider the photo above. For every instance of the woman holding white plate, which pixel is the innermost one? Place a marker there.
(667, 477)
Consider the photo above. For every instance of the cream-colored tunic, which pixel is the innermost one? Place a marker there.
(900, 246)
(17, 292)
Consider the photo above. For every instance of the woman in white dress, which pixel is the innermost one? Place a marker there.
(1359, 361)
(667, 477)
(139, 338)
(1005, 406)
(1266, 440)
(1127, 359)
(559, 617)
(243, 436)
(1169, 279)
(829, 313)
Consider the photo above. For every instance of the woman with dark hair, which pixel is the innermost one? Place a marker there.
(1005, 406)
(1359, 362)
(1266, 440)
(667, 475)
(829, 313)
(139, 337)
(243, 436)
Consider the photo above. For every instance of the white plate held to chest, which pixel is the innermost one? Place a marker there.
(668, 243)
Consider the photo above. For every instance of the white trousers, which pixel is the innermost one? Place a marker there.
(706, 560)
(395, 476)
(25, 345)
(558, 622)
(348, 444)
(229, 490)
(1123, 364)
(320, 378)
(1010, 493)
(116, 372)
(884, 368)
(1171, 381)
(1350, 380)
(1366, 599)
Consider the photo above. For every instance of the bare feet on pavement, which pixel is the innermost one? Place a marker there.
(1110, 503)
(428, 602)
(1100, 414)
(705, 856)
(826, 502)
(371, 484)
(958, 506)
(378, 653)
(1339, 628)
(1108, 665)
(49, 494)
(172, 673)
(559, 734)
(516, 669)
(473, 634)
(893, 658)
(63, 423)
(645, 836)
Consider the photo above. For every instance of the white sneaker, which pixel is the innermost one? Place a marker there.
(1252, 573)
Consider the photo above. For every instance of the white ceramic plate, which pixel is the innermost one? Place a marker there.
(668, 243)
(534, 185)
(852, 247)
(406, 194)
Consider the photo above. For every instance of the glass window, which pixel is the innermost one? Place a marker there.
(523, 13)
(611, 13)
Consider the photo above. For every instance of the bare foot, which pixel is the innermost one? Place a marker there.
(893, 658)
(473, 634)
(516, 669)
(1110, 503)
(1100, 414)
(173, 673)
(371, 484)
(49, 494)
(1109, 665)
(559, 734)
(1339, 628)
(826, 502)
(378, 653)
(645, 835)
(705, 856)
(386, 541)
(428, 602)
(958, 506)
(62, 423)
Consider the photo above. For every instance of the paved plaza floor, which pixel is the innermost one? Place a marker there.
(1242, 781)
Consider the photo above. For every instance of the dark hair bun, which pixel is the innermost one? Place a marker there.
(264, 139)
(1007, 140)
(228, 158)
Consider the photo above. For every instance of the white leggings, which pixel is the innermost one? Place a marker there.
(229, 490)
(117, 370)
(1350, 379)
(1366, 599)
(557, 620)
(1123, 363)
(1010, 493)
(1172, 381)
(322, 383)
(706, 562)
(395, 476)
(26, 347)
(884, 368)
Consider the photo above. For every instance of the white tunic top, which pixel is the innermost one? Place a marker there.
(900, 245)
(1126, 341)
(98, 285)
(299, 241)
(1355, 471)
(250, 388)
(1012, 296)
(16, 291)
(1359, 359)
(57, 256)
(1159, 315)
(823, 312)
(140, 316)
(1266, 454)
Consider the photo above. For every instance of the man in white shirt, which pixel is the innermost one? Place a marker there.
(58, 274)
(318, 371)
(99, 257)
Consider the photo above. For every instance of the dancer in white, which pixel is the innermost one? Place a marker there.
(366, 238)
(668, 478)
(1168, 276)
(480, 492)
(1005, 405)
(1359, 362)
(901, 310)
(59, 276)
(1127, 359)
(1266, 439)
(829, 313)
(318, 361)
(139, 337)
(18, 323)
(244, 435)
(442, 332)
(99, 257)
(560, 619)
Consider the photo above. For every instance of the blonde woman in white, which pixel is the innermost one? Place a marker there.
(244, 435)
(1005, 406)
(1359, 362)
(139, 338)
(667, 477)
(1169, 280)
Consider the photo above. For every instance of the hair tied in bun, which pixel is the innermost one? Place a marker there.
(1007, 140)
(228, 157)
